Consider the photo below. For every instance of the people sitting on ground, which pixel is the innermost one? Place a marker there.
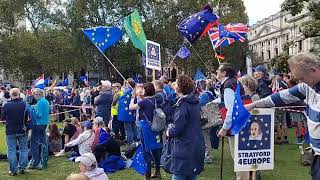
(106, 145)
(77, 177)
(100, 130)
(77, 124)
(85, 139)
(68, 132)
(89, 167)
(54, 139)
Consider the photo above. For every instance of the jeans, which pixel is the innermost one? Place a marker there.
(22, 141)
(183, 177)
(38, 137)
(131, 132)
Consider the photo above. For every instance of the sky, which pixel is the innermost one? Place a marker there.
(259, 9)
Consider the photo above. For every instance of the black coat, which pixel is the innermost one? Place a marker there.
(263, 87)
(188, 148)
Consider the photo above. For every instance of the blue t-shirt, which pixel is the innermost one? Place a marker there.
(146, 108)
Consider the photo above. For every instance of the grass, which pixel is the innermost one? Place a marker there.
(287, 166)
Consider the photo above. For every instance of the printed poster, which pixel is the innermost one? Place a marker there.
(153, 58)
(254, 145)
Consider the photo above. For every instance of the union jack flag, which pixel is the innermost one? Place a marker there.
(225, 35)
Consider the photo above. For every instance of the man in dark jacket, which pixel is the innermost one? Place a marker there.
(14, 114)
(261, 75)
(103, 102)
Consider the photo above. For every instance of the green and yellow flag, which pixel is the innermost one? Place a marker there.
(133, 26)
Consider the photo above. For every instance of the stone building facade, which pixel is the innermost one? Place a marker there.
(267, 37)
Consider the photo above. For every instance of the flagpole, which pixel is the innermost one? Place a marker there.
(199, 57)
(172, 60)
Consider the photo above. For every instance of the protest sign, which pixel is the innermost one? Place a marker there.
(153, 56)
(254, 148)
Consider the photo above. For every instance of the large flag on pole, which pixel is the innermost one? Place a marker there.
(226, 35)
(196, 25)
(133, 26)
(39, 82)
(103, 37)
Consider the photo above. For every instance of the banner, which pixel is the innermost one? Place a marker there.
(254, 145)
(153, 56)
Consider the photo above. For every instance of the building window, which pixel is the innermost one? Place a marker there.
(262, 44)
(300, 45)
(285, 19)
(276, 40)
(269, 54)
(276, 51)
(287, 37)
(269, 42)
(262, 55)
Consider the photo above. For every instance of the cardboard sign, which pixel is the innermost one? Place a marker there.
(153, 57)
(254, 145)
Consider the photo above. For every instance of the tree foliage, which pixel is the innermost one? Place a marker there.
(55, 42)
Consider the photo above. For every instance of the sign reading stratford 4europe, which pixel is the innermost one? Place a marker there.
(153, 58)
(254, 148)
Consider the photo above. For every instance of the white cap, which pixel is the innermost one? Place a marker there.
(106, 83)
(98, 120)
(87, 159)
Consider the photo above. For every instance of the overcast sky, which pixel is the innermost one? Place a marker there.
(260, 9)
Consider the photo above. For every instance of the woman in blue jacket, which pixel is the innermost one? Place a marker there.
(188, 148)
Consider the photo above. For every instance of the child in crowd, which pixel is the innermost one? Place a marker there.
(54, 139)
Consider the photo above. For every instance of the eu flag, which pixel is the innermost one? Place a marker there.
(139, 164)
(124, 114)
(199, 76)
(194, 26)
(103, 37)
(240, 115)
(183, 52)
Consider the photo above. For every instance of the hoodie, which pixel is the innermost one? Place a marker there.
(96, 174)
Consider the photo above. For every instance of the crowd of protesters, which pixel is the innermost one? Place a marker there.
(112, 115)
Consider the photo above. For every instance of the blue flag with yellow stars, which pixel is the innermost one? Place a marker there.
(198, 24)
(240, 115)
(199, 76)
(183, 52)
(103, 37)
(124, 114)
(138, 162)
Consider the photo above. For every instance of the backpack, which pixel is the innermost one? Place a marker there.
(159, 119)
(167, 107)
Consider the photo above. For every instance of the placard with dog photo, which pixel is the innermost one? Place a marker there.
(254, 148)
